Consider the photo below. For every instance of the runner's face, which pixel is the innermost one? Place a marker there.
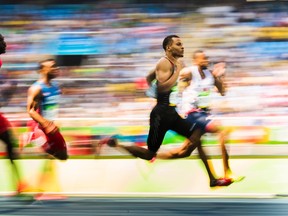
(177, 48)
(54, 71)
(202, 60)
(51, 69)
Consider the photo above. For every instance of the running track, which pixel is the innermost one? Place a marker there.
(84, 206)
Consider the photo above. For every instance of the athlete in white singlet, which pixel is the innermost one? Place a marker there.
(197, 96)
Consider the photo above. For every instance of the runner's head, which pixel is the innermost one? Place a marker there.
(173, 45)
(49, 68)
(200, 59)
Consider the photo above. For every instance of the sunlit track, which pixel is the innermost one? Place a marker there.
(115, 119)
(139, 195)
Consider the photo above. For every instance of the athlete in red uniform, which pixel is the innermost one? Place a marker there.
(6, 136)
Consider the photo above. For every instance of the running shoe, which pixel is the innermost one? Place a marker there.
(221, 182)
(110, 141)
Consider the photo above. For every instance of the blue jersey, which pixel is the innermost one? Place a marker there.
(49, 102)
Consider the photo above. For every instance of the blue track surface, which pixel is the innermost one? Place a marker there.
(145, 206)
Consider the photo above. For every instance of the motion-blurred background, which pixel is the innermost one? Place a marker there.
(105, 49)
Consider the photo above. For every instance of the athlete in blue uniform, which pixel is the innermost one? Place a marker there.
(42, 106)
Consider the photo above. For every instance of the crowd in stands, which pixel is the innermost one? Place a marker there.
(105, 51)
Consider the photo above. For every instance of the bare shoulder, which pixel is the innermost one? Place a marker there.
(34, 90)
(163, 70)
(163, 64)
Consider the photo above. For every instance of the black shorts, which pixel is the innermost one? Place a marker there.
(162, 119)
(200, 118)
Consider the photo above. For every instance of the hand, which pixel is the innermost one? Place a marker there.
(49, 127)
(219, 69)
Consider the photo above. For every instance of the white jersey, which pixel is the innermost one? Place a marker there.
(199, 93)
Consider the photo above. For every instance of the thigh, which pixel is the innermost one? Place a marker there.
(157, 130)
(7, 138)
(200, 119)
(56, 145)
(182, 126)
(56, 141)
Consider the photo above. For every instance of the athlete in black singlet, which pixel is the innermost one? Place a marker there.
(164, 116)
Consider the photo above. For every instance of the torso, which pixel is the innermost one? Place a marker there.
(170, 97)
(198, 93)
(49, 100)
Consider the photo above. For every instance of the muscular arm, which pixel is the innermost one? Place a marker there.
(165, 79)
(34, 94)
(219, 83)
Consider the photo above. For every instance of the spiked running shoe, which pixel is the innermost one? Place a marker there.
(110, 141)
(221, 182)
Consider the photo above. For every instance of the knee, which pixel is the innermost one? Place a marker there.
(213, 127)
(61, 155)
(151, 156)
